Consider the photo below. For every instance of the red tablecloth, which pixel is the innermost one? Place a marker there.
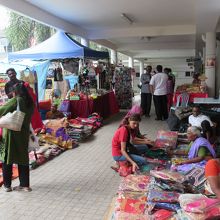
(191, 96)
(105, 105)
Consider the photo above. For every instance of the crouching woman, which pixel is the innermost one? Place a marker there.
(121, 142)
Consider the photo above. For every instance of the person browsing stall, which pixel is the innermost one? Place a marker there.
(158, 87)
(12, 81)
(137, 138)
(14, 144)
(146, 95)
(120, 143)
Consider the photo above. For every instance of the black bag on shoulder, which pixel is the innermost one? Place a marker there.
(130, 148)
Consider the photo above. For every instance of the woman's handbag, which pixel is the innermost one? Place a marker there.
(13, 120)
(130, 148)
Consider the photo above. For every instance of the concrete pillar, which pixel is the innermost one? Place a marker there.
(210, 50)
(141, 67)
(114, 57)
(85, 42)
(203, 56)
(130, 62)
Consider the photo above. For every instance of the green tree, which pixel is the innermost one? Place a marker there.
(22, 31)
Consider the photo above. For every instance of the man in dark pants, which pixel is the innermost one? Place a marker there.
(158, 86)
(146, 95)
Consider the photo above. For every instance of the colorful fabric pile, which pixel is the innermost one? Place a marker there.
(43, 154)
(164, 195)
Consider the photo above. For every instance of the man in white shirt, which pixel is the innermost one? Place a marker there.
(158, 86)
(197, 118)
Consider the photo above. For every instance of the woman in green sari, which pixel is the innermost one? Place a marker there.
(14, 146)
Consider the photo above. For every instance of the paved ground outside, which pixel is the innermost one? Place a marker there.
(77, 185)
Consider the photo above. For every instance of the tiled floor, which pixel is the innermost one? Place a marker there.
(78, 184)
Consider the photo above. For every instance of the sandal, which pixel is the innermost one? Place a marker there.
(21, 188)
(115, 168)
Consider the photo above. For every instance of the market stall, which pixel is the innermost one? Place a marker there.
(194, 91)
(106, 105)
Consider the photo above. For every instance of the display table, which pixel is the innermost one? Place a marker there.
(207, 101)
(105, 105)
(192, 96)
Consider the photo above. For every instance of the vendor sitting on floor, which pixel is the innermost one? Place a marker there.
(199, 150)
(212, 173)
(137, 137)
(54, 113)
(121, 139)
(197, 117)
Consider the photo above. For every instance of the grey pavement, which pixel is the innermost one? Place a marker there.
(77, 185)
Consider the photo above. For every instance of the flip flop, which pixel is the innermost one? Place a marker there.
(24, 189)
(115, 168)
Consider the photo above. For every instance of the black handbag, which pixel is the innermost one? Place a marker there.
(130, 148)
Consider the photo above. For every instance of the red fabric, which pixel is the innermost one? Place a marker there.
(105, 105)
(36, 120)
(14, 174)
(125, 168)
(45, 105)
(191, 96)
(121, 135)
(212, 168)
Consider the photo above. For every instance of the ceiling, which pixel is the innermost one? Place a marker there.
(161, 28)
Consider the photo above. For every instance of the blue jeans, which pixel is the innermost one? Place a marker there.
(141, 148)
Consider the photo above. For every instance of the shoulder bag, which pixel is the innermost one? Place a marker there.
(130, 148)
(13, 120)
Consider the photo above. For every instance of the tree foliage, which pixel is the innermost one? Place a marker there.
(23, 32)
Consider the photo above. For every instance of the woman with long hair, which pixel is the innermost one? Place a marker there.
(14, 147)
(121, 141)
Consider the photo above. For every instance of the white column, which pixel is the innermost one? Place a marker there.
(85, 42)
(130, 62)
(141, 67)
(114, 57)
(210, 51)
(203, 56)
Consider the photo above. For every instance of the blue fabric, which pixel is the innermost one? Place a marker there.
(41, 70)
(73, 80)
(59, 46)
(136, 158)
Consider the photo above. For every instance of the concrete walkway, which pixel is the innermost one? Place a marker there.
(77, 185)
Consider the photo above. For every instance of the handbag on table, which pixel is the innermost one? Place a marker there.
(13, 120)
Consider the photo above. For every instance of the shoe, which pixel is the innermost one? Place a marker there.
(7, 189)
(158, 119)
(147, 116)
(21, 188)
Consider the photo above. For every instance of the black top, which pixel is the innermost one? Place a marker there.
(9, 87)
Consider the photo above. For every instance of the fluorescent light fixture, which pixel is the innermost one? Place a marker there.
(127, 18)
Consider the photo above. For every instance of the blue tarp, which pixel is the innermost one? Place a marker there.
(59, 46)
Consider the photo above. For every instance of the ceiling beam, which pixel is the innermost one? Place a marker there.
(142, 31)
(156, 46)
(164, 53)
(106, 43)
(42, 16)
(207, 15)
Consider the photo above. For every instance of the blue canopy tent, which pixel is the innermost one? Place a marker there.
(59, 46)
